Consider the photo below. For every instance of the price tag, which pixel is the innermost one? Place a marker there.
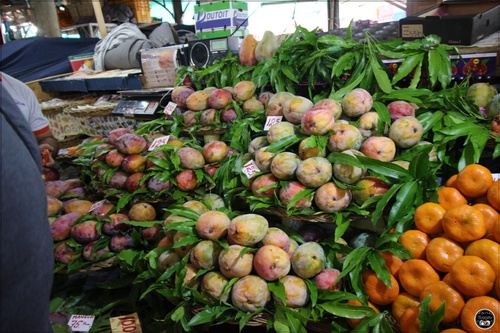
(496, 176)
(128, 323)
(412, 31)
(159, 142)
(129, 112)
(97, 205)
(271, 120)
(250, 168)
(81, 323)
(170, 108)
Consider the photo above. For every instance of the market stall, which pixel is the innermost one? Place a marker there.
(308, 182)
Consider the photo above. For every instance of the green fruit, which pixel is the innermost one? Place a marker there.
(493, 108)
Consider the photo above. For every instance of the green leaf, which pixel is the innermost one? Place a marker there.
(386, 169)
(345, 310)
(404, 201)
(434, 66)
(410, 62)
(380, 75)
(377, 264)
(383, 112)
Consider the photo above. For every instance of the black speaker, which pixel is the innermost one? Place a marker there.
(203, 52)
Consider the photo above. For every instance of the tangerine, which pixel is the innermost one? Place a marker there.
(442, 252)
(415, 241)
(449, 197)
(415, 275)
(469, 318)
(452, 181)
(472, 276)
(442, 292)
(474, 180)
(493, 194)
(487, 250)
(490, 215)
(464, 223)
(378, 292)
(409, 322)
(428, 218)
(404, 301)
(392, 262)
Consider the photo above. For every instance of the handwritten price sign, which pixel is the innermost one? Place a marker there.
(129, 323)
(250, 168)
(159, 142)
(170, 108)
(81, 323)
(271, 120)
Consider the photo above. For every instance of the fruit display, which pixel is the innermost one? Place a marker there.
(259, 202)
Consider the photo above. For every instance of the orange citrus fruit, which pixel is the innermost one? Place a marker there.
(482, 199)
(428, 218)
(415, 275)
(474, 180)
(403, 302)
(487, 250)
(392, 262)
(450, 197)
(490, 215)
(442, 252)
(378, 292)
(440, 293)
(453, 330)
(352, 322)
(415, 241)
(464, 223)
(474, 310)
(493, 194)
(408, 323)
(472, 276)
(452, 181)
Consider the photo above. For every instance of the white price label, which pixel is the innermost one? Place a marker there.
(128, 323)
(250, 168)
(271, 120)
(159, 142)
(170, 108)
(97, 205)
(129, 112)
(496, 176)
(81, 323)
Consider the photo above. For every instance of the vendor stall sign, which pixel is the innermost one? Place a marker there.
(221, 14)
(128, 323)
(81, 323)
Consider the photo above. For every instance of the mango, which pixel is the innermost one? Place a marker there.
(247, 51)
(266, 48)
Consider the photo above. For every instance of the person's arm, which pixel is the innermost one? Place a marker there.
(47, 141)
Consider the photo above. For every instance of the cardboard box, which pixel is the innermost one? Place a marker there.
(456, 22)
(220, 15)
(81, 62)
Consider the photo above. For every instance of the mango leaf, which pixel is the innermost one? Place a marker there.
(380, 75)
(416, 76)
(444, 74)
(345, 310)
(278, 289)
(419, 165)
(411, 61)
(430, 119)
(280, 323)
(377, 264)
(386, 169)
(434, 66)
(282, 144)
(342, 158)
(355, 259)
(382, 203)
(383, 112)
(404, 201)
(352, 83)
(344, 63)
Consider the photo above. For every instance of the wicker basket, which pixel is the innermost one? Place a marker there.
(71, 141)
(140, 8)
(90, 110)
